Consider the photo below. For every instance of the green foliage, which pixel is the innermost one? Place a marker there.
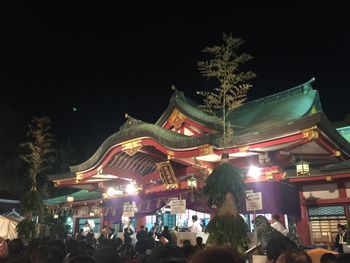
(293, 232)
(31, 201)
(224, 178)
(57, 230)
(225, 67)
(228, 230)
(40, 150)
(26, 229)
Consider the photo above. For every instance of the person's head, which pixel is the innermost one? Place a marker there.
(217, 254)
(344, 258)
(341, 228)
(277, 246)
(295, 256)
(82, 259)
(166, 228)
(176, 228)
(106, 255)
(199, 240)
(46, 254)
(276, 218)
(328, 258)
(166, 254)
(16, 246)
(194, 218)
(186, 243)
(142, 227)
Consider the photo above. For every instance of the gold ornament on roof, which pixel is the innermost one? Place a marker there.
(132, 147)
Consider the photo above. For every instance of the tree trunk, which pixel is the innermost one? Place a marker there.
(229, 206)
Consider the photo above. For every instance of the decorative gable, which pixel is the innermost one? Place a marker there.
(180, 123)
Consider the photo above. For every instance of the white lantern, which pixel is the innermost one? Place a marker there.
(192, 182)
(70, 199)
(303, 168)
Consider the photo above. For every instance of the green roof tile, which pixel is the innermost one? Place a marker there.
(81, 195)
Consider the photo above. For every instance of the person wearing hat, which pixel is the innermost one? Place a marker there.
(340, 239)
(3, 248)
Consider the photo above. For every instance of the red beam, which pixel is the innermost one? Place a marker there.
(328, 177)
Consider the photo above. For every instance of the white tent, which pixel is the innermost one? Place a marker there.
(8, 227)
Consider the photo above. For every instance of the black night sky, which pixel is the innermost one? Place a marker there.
(107, 60)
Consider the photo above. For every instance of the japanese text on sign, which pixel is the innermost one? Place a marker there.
(178, 207)
(254, 201)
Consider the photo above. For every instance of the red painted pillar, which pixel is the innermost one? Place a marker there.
(342, 194)
(303, 223)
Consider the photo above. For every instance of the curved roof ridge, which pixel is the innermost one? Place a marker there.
(188, 107)
(302, 88)
(143, 129)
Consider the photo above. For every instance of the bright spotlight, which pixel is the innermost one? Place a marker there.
(254, 172)
(110, 191)
(69, 220)
(130, 189)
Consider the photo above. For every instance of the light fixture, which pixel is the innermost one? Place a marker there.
(70, 199)
(130, 188)
(192, 182)
(118, 192)
(303, 168)
(55, 216)
(254, 172)
(110, 192)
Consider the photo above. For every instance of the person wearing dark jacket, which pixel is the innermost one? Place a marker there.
(166, 234)
(340, 239)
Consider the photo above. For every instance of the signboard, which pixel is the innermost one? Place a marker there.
(167, 174)
(178, 206)
(128, 210)
(253, 201)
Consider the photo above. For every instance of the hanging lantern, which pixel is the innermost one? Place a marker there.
(303, 168)
(192, 182)
(70, 199)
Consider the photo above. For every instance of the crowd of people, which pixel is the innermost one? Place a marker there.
(152, 246)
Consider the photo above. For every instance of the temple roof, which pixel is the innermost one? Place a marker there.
(264, 119)
(81, 195)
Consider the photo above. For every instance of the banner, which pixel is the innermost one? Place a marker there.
(128, 210)
(178, 206)
(253, 201)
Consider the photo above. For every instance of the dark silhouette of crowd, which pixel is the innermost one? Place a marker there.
(148, 249)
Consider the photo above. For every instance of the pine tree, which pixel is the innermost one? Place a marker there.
(225, 185)
(39, 157)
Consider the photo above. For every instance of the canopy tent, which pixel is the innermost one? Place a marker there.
(8, 227)
(13, 214)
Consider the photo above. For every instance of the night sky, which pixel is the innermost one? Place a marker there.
(105, 60)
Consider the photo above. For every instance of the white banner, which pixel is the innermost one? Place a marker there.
(178, 206)
(253, 201)
(128, 210)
